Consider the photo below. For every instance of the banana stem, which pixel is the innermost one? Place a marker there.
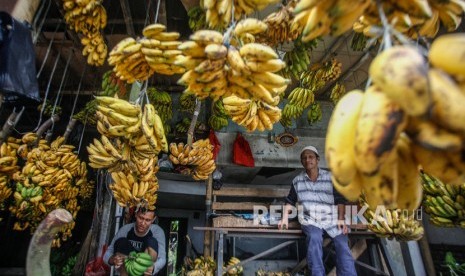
(45, 126)
(38, 254)
(68, 130)
(12, 120)
(190, 132)
(387, 27)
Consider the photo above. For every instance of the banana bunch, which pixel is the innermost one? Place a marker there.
(394, 223)
(301, 97)
(199, 157)
(8, 166)
(219, 117)
(184, 124)
(112, 85)
(313, 19)
(204, 60)
(48, 110)
(137, 263)
(298, 59)
(262, 272)
(197, 19)
(132, 190)
(187, 102)
(219, 13)
(238, 270)
(51, 178)
(246, 30)
(279, 26)
(88, 17)
(450, 13)
(314, 113)
(201, 266)
(129, 62)
(337, 92)
(319, 74)
(160, 49)
(163, 105)
(87, 114)
(445, 203)
(251, 113)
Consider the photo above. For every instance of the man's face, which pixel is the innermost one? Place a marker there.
(143, 222)
(309, 160)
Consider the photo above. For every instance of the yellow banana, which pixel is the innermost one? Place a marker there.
(446, 52)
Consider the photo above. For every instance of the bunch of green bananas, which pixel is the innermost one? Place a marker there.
(314, 113)
(187, 102)
(445, 203)
(219, 118)
(48, 110)
(69, 266)
(87, 113)
(298, 59)
(394, 223)
(137, 263)
(290, 111)
(184, 124)
(359, 42)
(163, 104)
(337, 92)
(112, 85)
(197, 19)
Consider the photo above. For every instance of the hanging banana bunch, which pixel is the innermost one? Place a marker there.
(337, 92)
(299, 99)
(198, 158)
(162, 102)
(49, 109)
(8, 166)
(319, 74)
(112, 85)
(443, 202)
(279, 26)
(298, 59)
(87, 114)
(219, 116)
(187, 102)
(197, 19)
(88, 17)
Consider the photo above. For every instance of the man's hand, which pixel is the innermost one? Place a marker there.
(283, 223)
(341, 225)
(117, 260)
(149, 271)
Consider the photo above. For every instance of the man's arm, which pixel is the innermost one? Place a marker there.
(122, 232)
(159, 235)
(291, 200)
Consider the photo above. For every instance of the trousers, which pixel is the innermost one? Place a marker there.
(345, 265)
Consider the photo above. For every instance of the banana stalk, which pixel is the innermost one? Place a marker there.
(38, 254)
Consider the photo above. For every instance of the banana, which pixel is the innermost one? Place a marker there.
(153, 29)
(271, 65)
(344, 22)
(236, 61)
(215, 51)
(205, 37)
(258, 52)
(350, 191)
(440, 54)
(340, 137)
(401, 73)
(250, 25)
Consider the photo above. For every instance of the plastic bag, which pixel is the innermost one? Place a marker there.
(215, 142)
(242, 154)
(17, 56)
(97, 267)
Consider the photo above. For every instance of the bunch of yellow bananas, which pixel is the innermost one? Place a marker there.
(88, 17)
(246, 30)
(201, 266)
(394, 223)
(161, 49)
(445, 203)
(413, 17)
(337, 92)
(251, 113)
(128, 191)
(279, 26)
(262, 272)
(204, 60)
(8, 166)
(317, 18)
(238, 270)
(52, 177)
(219, 13)
(407, 118)
(199, 157)
(319, 74)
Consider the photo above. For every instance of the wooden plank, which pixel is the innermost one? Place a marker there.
(271, 192)
(237, 222)
(237, 205)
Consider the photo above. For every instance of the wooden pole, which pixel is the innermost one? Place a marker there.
(208, 207)
(426, 256)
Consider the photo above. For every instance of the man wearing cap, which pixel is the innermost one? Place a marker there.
(321, 208)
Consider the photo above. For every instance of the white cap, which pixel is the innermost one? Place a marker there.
(312, 148)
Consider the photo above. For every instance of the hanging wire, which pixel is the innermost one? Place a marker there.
(147, 14)
(48, 51)
(65, 76)
(82, 135)
(78, 91)
(158, 9)
(42, 23)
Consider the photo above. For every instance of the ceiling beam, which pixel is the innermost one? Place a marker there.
(128, 18)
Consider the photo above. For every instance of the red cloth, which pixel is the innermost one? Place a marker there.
(242, 154)
(97, 267)
(216, 144)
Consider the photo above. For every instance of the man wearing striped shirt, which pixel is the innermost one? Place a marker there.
(320, 208)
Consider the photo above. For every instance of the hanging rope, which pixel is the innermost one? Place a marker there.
(48, 51)
(78, 90)
(42, 23)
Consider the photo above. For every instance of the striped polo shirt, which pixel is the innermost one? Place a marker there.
(316, 201)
